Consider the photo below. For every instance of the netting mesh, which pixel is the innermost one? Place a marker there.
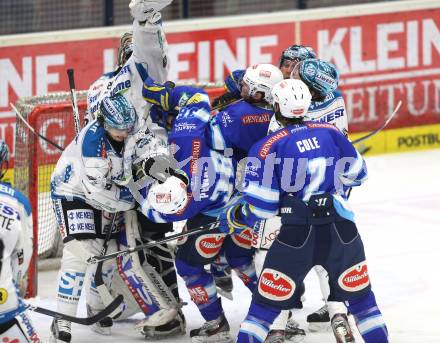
(51, 116)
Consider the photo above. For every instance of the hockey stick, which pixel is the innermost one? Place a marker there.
(372, 133)
(33, 130)
(83, 321)
(200, 229)
(104, 293)
(74, 100)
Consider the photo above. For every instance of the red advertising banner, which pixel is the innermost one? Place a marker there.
(383, 58)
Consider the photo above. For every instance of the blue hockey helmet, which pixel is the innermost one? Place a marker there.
(320, 76)
(4, 158)
(117, 113)
(297, 53)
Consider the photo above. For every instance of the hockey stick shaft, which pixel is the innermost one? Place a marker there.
(374, 132)
(24, 121)
(83, 321)
(203, 228)
(70, 75)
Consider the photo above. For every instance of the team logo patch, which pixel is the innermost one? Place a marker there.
(198, 294)
(209, 245)
(355, 278)
(244, 239)
(275, 285)
(3, 296)
(163, 198)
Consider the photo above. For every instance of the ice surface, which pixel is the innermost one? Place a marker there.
(398, 215)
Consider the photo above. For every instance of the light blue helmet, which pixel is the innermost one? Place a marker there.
(117, 112)
(320, 76)
(4, 158)
(297, 53)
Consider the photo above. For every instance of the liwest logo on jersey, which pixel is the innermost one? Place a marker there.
(332, 116)
(81, 221)
(275, 285)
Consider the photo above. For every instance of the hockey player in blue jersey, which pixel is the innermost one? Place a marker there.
(303, 172)
(16, 248)
(199, 191)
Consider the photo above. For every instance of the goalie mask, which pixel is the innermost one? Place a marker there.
(261, 78)
(117, 113)
(293, 98)
(168, 197)
(4, 158)
(125, 49)
(320, 76)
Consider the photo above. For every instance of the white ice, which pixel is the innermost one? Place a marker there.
(398, 215)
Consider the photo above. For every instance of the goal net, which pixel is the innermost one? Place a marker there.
(50, 116)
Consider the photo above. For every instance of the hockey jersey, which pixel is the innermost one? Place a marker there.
(311, 158)
(16, 238)
(238, 127)
(88, 169)
(211, 174)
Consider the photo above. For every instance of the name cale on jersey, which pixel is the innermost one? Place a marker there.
(308, 144)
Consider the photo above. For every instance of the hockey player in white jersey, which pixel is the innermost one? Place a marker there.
(16, 248)
(85, 194)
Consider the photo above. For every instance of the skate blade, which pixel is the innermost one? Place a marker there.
(227, 295)
(102, 331)
(320, 327)
(158, 318)
(222, 337)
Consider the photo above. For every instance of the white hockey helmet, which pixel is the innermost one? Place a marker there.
(262, 78)
(293, 98)
(168, 197)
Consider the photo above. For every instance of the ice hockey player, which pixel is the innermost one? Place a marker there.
(311, 166)
(16, 248)
(199, 192)
(85, 195)
(327, 106)
(141, 53)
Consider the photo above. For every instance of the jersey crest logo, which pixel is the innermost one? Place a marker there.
(209, 245)
(275, 285)
(355, 278)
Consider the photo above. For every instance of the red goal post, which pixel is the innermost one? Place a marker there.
(50, 115)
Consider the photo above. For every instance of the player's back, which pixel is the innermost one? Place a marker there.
(313, 156)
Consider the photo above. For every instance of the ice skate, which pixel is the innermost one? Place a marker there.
(224, 284)
(103, 327)
(275, 336)
(293, 332)
(216, 330)
(60, 331)
(175, 327)
(319, 320)
(341, 329)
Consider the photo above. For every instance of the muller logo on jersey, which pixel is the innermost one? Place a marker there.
(355, 278)
(275, 285)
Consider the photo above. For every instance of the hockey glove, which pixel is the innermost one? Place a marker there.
(223, 101)
(147, 10)
(233, 82)
(232, 220)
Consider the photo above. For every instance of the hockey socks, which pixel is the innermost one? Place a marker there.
(368, 318)
(201, 288)
(256, 325)
(245, 269)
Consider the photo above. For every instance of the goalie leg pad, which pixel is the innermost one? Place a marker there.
(19, 329)
(201, 288)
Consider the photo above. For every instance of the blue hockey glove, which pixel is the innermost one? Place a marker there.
(231, 220)
(232, 82)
